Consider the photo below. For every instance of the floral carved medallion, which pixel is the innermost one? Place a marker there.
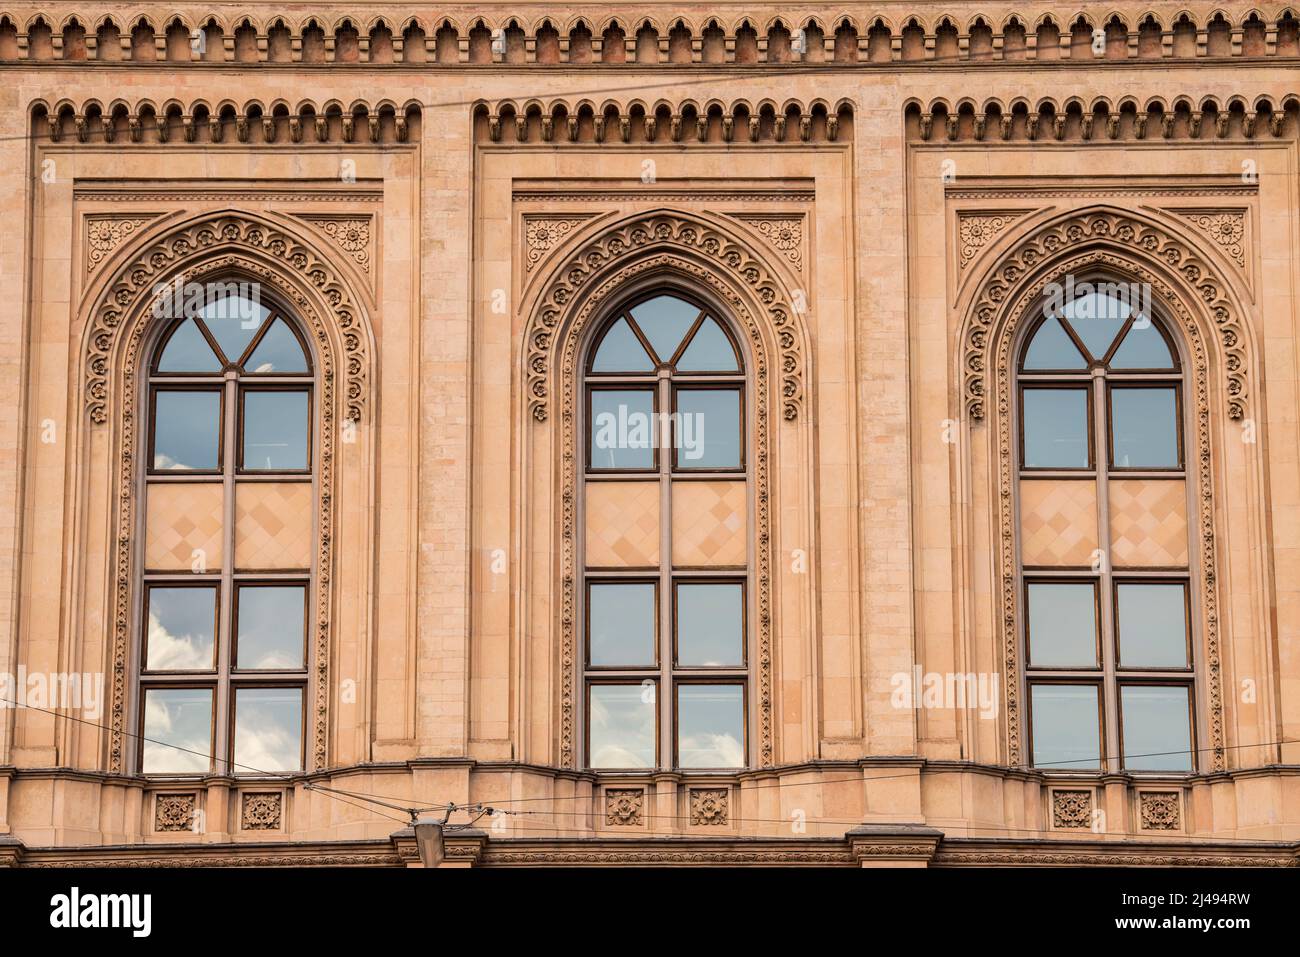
(623, 806)
(174, 812)
(709, 806)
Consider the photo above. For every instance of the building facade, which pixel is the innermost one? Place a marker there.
(668, 434)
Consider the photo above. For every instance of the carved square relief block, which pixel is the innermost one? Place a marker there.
(623, 806)
(261, 811)
(174, 812)
(710, 807)
(1071, 808)
(1160, 810)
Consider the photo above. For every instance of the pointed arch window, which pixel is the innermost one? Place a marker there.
(1107, 644)
(226, 558)
(667, 581)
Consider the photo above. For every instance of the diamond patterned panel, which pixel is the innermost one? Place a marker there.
(1058, 521)
(1148, 522)
(180, 518)
(622, 524)
(709, 523)
(273, 525)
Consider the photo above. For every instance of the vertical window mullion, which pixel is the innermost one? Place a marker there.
(1105, 587)
(666, 694)
(226, 631)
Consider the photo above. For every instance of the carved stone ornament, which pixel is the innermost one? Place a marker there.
(1024, 307)
(349, 233)
(105, 233)
(784, 233)
(709, 806)
(215, 247)
(1226, 228)
(1125, 234)
(623, 806)
(670, 231)
(544, 233)
(261, 811)
(1072, 809)
(979, 229)
(1159, 810)
(174, 812)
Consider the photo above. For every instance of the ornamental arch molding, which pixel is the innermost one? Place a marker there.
(692, 254)
(1214, 340)
(219, 245)
(707, 249)
(1166, 249)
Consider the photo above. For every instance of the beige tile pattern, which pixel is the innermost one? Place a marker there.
(709, 523)
(273, 525)
(622, 524)
(180, 519)
(1058, 521)
(1148, 522)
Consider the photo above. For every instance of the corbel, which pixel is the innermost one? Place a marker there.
(1140, 125)
(295, 129)
(778, 127)
(805, 127)
(571, 121)
(133, 127)
(521, 127)
(399, 127)
(548, 128)
(651, 128)
(753, 128)
(675, 128)
(322, 125)
(372, 121)
(832, 126)
(241, 128)
(927, 123)
(348, 123)
(598, 127)
(268, 128)
(624, 127)
(728, 124)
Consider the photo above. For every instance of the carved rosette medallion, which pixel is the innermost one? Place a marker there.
(1226, 228)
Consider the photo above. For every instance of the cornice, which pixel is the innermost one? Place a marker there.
(647, 33)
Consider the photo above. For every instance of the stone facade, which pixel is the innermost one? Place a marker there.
(450, 200)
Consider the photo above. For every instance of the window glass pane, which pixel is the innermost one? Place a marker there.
(1143, 348)
(182, 623)
(233, 321)
(622, 732)
(622, 429)
(1157, 728)
(177, 731)
(621, 351)
(1152, 625)
(188, 351)
(268, 730)
(1052, 348)
(1144, 428)
(187, 427)
(278, 351)
(664, 321)
(710, 726)
(710, 351)
(1097, 318)
(1065, 727)
(1062, 625)
(707, 428)
(1056, 428)
(621, 624)
(710, 625)
(275, 430)
(271, 623)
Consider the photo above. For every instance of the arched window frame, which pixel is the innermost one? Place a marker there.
(225, 679)
(666, 577)
(1110, 677)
